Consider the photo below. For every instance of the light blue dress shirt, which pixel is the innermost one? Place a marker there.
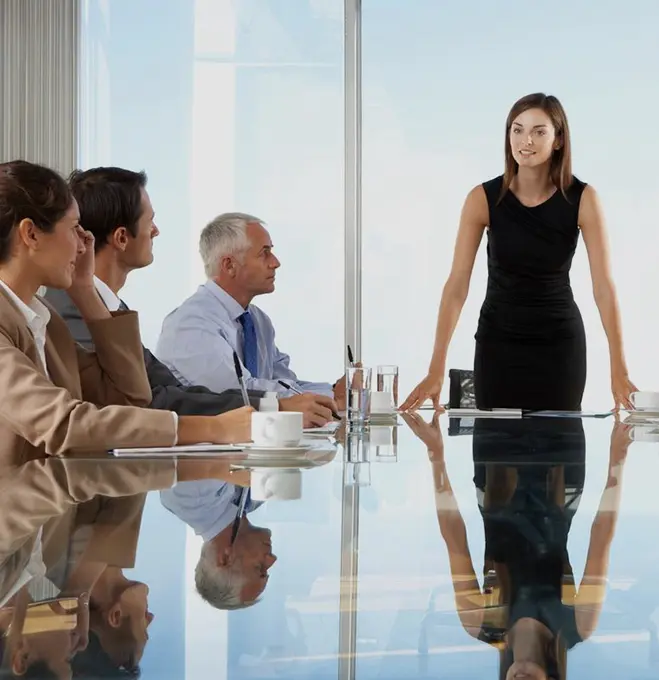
(198, 339)
(208, 506)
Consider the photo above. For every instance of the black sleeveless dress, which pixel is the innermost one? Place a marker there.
(530, 342)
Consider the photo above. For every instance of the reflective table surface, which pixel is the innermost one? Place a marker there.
(435, 548)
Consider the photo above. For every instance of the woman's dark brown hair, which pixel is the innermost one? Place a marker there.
(561, 161)
(29, 191)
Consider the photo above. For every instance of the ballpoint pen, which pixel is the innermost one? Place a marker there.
(241, 379)
(351, 358)
(295, 390)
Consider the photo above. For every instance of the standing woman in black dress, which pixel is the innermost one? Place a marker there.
(530, 342)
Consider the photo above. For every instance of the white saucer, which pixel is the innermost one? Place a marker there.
(309, 457)
(644, 413)
(382, 415)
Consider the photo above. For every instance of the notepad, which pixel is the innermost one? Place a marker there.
(329, 428)
(570, 414)
(479, 413)
(173, 451)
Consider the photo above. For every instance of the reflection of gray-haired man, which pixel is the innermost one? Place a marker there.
(232, 571)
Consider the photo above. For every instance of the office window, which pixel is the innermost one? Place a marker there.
(438, 81)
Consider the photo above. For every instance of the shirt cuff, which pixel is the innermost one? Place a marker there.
(175, 416)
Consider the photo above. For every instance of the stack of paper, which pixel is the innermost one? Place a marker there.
(570, 414)
(328, 429)
(173, 451)
(479, 413)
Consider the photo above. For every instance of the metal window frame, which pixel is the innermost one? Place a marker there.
(353, 173)
(348, 598)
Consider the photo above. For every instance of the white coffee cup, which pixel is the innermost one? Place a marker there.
(276, 484)
(277, 429)
(645, 400)
(382, 402)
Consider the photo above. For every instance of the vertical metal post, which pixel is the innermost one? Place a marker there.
(353, 310)
(353, 174)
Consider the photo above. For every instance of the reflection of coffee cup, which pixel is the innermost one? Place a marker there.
(381, 435)
(277, 429)
(382, 402)
(385, 440)
(641, 433)
(276, 484)
(645, 400)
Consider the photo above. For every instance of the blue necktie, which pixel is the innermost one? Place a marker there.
(250, 348)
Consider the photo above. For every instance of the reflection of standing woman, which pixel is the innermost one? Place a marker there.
(530, 342)
(531, 609)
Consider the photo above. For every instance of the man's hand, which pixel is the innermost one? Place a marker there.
(317, 409)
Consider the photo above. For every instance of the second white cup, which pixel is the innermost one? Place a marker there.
(277, 429)
(645, 400)
(382, 402)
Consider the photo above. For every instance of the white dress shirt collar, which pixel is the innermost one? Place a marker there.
(37, 316)
(111, 301)
(36, 313)
(235, 309)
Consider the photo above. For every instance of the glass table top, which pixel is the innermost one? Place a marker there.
(435, 548)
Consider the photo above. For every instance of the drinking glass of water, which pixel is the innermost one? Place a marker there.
(358, 395)
(387, 381)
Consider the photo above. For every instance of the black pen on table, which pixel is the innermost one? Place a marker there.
(295, 390)
(241, 379)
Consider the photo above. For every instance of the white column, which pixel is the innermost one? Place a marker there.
(38, 81)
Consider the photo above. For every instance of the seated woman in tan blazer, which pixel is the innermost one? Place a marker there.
(57, 398)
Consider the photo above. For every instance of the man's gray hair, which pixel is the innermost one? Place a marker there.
(225, 235)
(221, 587)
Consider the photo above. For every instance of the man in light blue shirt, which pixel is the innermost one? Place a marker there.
(198, 338)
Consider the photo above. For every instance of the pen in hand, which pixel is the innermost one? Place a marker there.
(351, 358)
(295, 390)
(241, 379)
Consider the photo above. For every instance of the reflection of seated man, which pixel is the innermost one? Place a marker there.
(38, 639)
(529, 607)
(236, 556)
(60, 539)
(115, 207)
(38, 504)
(199, 337)
(103, 543)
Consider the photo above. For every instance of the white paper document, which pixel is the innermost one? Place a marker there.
(570, 414)
(173, 451)
(478, 413)
(329, 428)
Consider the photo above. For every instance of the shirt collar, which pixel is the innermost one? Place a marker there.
(232, 306)
(112, 302)
(36, 314)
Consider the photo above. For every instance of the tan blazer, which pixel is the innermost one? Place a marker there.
(61, 415)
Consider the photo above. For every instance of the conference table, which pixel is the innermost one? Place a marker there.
(372, 542)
